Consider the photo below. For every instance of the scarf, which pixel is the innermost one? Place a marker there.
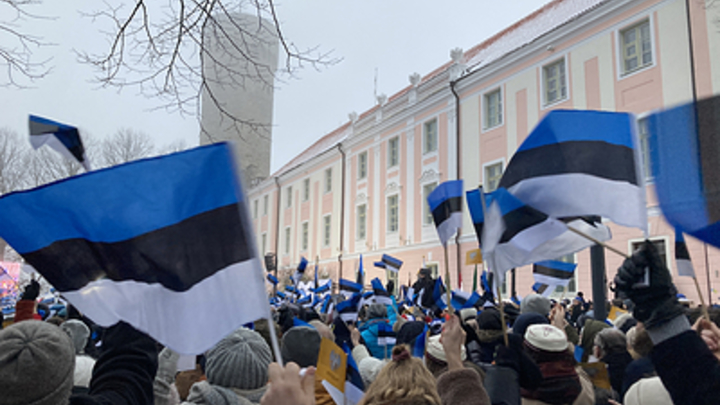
(561, 383)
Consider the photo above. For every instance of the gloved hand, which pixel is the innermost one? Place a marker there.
(655, 303)
(32, 291)
(167, 365)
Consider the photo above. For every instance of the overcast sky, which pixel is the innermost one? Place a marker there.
(396, 38)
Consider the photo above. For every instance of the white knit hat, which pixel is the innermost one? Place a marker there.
(369, 368)
(546, 337)
(646, 392)
(468, 313)
(436, 351)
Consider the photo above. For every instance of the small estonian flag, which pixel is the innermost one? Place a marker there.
(381, 294)
(65, 139)
(446, 206)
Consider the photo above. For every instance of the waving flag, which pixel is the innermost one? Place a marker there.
(272, 279)
(361, 273)
(347, 287)
(389, 263)
(354, 387)
(65, 139)
(518, 234)
(439, 296)
(381, 294)
(418, 347)
(300, 270)
(147, 239)
(685, 151)
(578, 163)
(542, 289)
(386, 336)
(348, 309)
(323, 288)
(446, 207)
(682, 256)
(462, 299)
(553, 273)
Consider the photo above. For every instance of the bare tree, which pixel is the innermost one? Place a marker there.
(17, 46)
(12, 175)
(124, 146)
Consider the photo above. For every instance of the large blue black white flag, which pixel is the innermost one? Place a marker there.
(65, 139)
(579, 163)
(553, 273)
(446, 207)
(516, 234)
(685, 151)
(164, 244)
(463, 299)
(348, 288)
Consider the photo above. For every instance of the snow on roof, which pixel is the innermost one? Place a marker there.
(540, 22)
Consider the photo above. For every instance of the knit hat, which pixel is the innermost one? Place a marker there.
(239, 361)
(587, 335)
(624, 322)
(301, 344)
(436, 351)
(409, 332)
(535, 303)
(489, 319)
(648, 391)
(377, 311)
(610, 341)
(467, 313)
(525, 320)
(78, 332)
(37, 362)
(546, 337)
(369, 368)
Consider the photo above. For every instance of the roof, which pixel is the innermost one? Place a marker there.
(540, 22)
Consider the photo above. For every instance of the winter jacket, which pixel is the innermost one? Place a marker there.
(204, 393)
(617, 363)
(638, 369)
(370, 337)
(462, 387)
(124, 373)
(586, 397)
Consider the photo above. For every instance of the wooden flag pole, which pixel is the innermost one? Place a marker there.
(702, 300)
(501, 305)
(447, 277)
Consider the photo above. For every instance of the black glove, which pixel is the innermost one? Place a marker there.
(32, 291)
(655, 303)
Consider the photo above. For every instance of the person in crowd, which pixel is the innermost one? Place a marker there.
(686, 366)
(610, 346)
(425, 284)
(79, 333)
(558, 318)
(587, 338)
(526, 320)
(535, 303)
(639, 346)
(489, 336)
(301, 345)
(368, 366)
(377, 314)
(288, 387)
(563, 381)
(647, 391)
(37, 366)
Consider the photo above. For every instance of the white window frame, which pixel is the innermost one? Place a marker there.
(425, 151)
(486, 106)
(263, 243)
(288, 196)
(486, 187)
(305, 236)
(667, 239)
(621, 73)
(434, 268)
(266, 203)
(543, 86)
(427, 214)
(327, 230)
(397, 213)
(306, 190)
(328, 180)
(362, 165)
(288, 240)
(644, 145)
(396, 163)
(361, 224)
(395, 277)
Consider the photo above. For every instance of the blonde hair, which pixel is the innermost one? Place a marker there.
(403, 380)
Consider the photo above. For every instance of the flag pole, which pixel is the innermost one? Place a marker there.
(447, 277)
(497, 284)
(603, 244)
(702, 300)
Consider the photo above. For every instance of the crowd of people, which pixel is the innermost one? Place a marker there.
(654, 351)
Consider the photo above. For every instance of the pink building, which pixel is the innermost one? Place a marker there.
(361, 189)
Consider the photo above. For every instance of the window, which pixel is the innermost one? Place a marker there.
(392, 213)
(659, 245)
(288, 197)
(326, 230)
(362, 165)
(361, 225)
(433, 269)
(393, 152)
(644, 138)
(493, 174)
(328, 180)
(287, 241)
(255, 209)
(572, 285)
(636, 47)
(554, 80)
(306, 189)
(493, 109)
(427, 214)
(394, 277)
(430, 136)
(263, 244)
(305, 236)
(265, 205)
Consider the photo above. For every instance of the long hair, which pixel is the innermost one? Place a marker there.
(404, 380)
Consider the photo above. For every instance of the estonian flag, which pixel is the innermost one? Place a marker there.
(164, 244)
(348, 309)
(685, 157)
(272, 279)
(439, 296)
(553, 273)
(518, 234)
(381, 294)
(300, 270)
(389, 263)
(361, 273)
(325, 304)
(281, 294)
(462, 299)
(418, 347)
(578, 163)
(446, 206)
(65, 139)
(305, 301)
(354, 387)
(348, 287)
(386, 336)
(323, 288)
(682, 256)
(542, 289)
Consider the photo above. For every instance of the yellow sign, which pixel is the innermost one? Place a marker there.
(331, 364)
(474, 257)
(598, 374)
(615, 312)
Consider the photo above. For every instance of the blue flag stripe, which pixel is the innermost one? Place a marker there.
(102, 206)
(445, 191)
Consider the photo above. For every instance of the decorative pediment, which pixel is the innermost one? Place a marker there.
(392, 188)
(361, 198)
(429, 176)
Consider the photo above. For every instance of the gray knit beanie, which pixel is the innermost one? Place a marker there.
(78, 332)
(535, 303)
(37, 362)
(377, 311)
(301, 345)
(239, 361)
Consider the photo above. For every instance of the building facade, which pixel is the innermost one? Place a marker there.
(361, 190)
